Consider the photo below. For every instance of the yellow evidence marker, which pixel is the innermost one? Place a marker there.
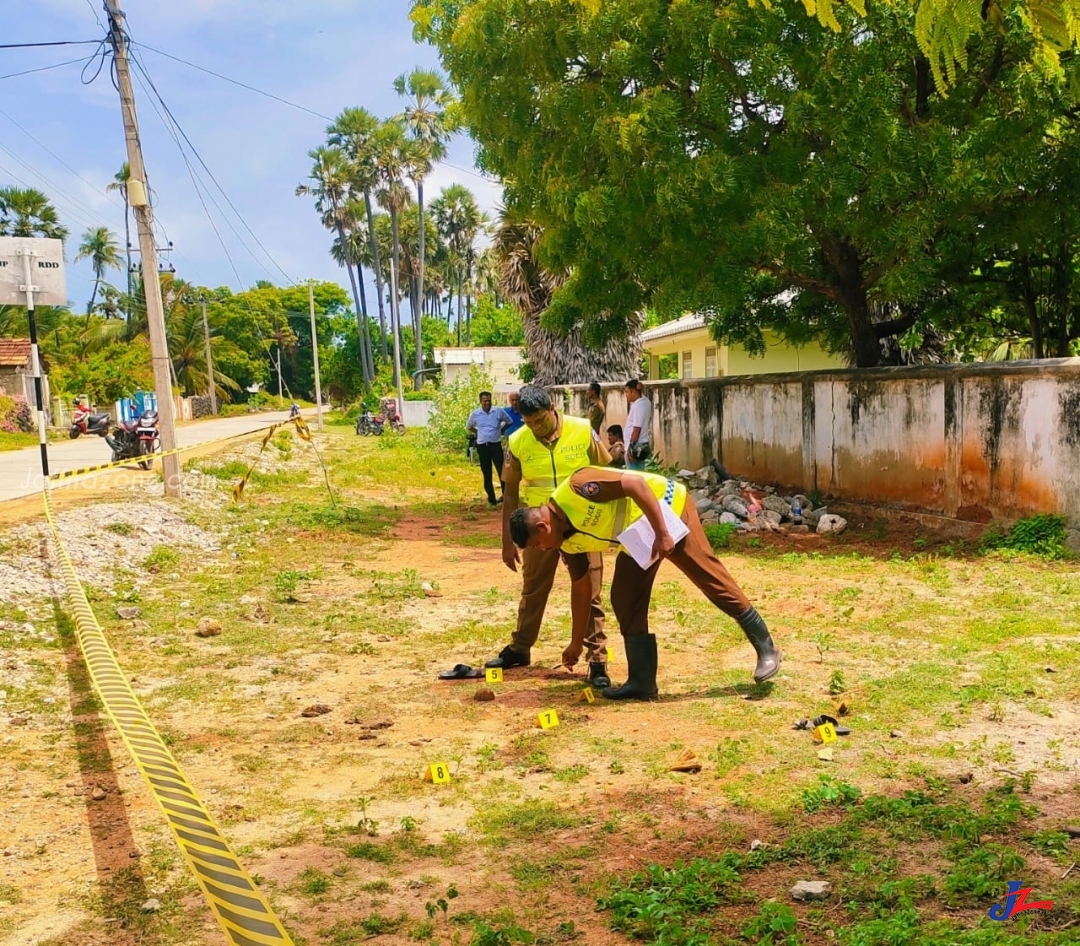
(549, 719)
(588, 696)
(494, 675)
(825, 733)
(437, 772)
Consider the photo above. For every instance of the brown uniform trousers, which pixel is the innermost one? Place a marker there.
(538, 569)
(631, 587)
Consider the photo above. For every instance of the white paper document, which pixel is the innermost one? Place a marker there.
(638, 539)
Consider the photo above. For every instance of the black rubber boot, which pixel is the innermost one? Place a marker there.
(641, 662)
(508, 657)
(598, 678)
(768, 655)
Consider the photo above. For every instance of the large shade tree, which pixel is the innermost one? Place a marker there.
(757, 167)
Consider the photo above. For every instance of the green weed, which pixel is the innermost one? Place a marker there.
(1039, 535)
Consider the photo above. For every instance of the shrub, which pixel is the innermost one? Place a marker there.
(1040, 535)
(719, 534)
(450, 409)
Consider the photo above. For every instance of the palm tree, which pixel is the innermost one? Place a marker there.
(555, 359)
(100, 247)
(427, 120)
(395, 154)
(120, 184)
(459, 221)
(354, 132)
(25, 212)
(330, 176)
(184, 331)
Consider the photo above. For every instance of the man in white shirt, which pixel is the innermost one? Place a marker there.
(638, 425)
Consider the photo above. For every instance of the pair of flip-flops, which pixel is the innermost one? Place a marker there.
(820, 721)
(462, 672)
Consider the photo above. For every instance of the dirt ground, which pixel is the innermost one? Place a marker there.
(84, 848)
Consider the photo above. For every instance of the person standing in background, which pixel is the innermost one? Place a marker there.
(516, 420)
(487, 424)
(596, 408)
(638, 426)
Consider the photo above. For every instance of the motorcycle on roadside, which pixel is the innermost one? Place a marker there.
(368, 425)
(83, 421)
(138, 440)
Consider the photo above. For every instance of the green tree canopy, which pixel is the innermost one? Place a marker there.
(753, 166)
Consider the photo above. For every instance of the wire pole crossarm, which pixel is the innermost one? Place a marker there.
(138, 196)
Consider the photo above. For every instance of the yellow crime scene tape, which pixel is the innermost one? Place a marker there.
(167, 453)
(240, 909)
(302, 431)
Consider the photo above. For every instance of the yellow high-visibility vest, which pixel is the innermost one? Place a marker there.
(599, 524)
(543, 468)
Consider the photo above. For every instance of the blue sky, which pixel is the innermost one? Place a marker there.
(323, 54)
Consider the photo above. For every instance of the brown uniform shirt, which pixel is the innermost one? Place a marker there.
(596, 416)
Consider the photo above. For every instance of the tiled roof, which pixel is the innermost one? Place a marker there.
(14, 352)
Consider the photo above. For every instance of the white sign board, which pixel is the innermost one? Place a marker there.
(46, 271)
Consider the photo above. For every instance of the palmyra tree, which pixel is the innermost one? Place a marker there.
(555, 358)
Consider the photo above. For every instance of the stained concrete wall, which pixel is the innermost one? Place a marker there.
(971, 442)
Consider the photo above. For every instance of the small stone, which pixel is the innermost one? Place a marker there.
(772, 517)
(895, 734)
(207, 627)
(1050, 670)
(729, 519)
(802, 529)
(806, 890)
(98, 794)
(316, 709)
(184, 605)
(735, 505)
(129, 614)
(834, 524)
(429, 589)
(1071, 831)
(756, 845)
(966, 778)
(484, 695)
(151, 906)
(686, 474)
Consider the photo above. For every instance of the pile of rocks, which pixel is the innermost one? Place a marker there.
(722, 499)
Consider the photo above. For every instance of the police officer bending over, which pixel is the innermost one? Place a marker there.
(586, 513)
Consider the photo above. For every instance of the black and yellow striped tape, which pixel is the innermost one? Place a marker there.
(302, 431)
(236, 902)
(301, 428)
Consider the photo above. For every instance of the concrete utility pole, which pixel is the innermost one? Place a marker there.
(209, 360)
(280, 396)
(139, 198)
(315, 354)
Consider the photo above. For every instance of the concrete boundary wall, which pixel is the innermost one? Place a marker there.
(972, 442)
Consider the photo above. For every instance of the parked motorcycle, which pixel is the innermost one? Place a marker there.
(138, 440)
(369, 425)
(294, 411)
(84, 422)
(390, 415)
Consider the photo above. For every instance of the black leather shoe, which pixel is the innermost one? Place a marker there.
(508, 657)
(598, 678)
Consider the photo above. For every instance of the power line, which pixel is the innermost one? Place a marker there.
(198, 157)
(66, 42)
(96, 17)
(243, 85)
(84, 214)
(57, 157)
(55, 65)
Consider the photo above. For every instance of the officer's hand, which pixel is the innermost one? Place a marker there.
(571, 655)
(511, 556)
(663, 546)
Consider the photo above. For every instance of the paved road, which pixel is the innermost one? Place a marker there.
(20, 470)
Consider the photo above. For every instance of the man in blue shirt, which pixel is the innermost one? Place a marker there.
(488, 424)
(516, 420)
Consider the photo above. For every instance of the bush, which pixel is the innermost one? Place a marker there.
(15, 415)
(1040, 535)
(450, 409)
(719, 534)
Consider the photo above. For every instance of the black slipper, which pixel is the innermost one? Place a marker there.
(840, 730)
(461, 672)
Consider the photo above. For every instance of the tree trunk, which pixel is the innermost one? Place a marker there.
(418, 337)
(395, 318)
(365, 338)
(377, 269)
(449, 308)
(364, 367)
(1031, 308)
(468, 306)
(459, 277)
(418, 319)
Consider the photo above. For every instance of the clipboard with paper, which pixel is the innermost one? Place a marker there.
(638, 538)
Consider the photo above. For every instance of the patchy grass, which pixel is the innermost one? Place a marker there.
(325, 604)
